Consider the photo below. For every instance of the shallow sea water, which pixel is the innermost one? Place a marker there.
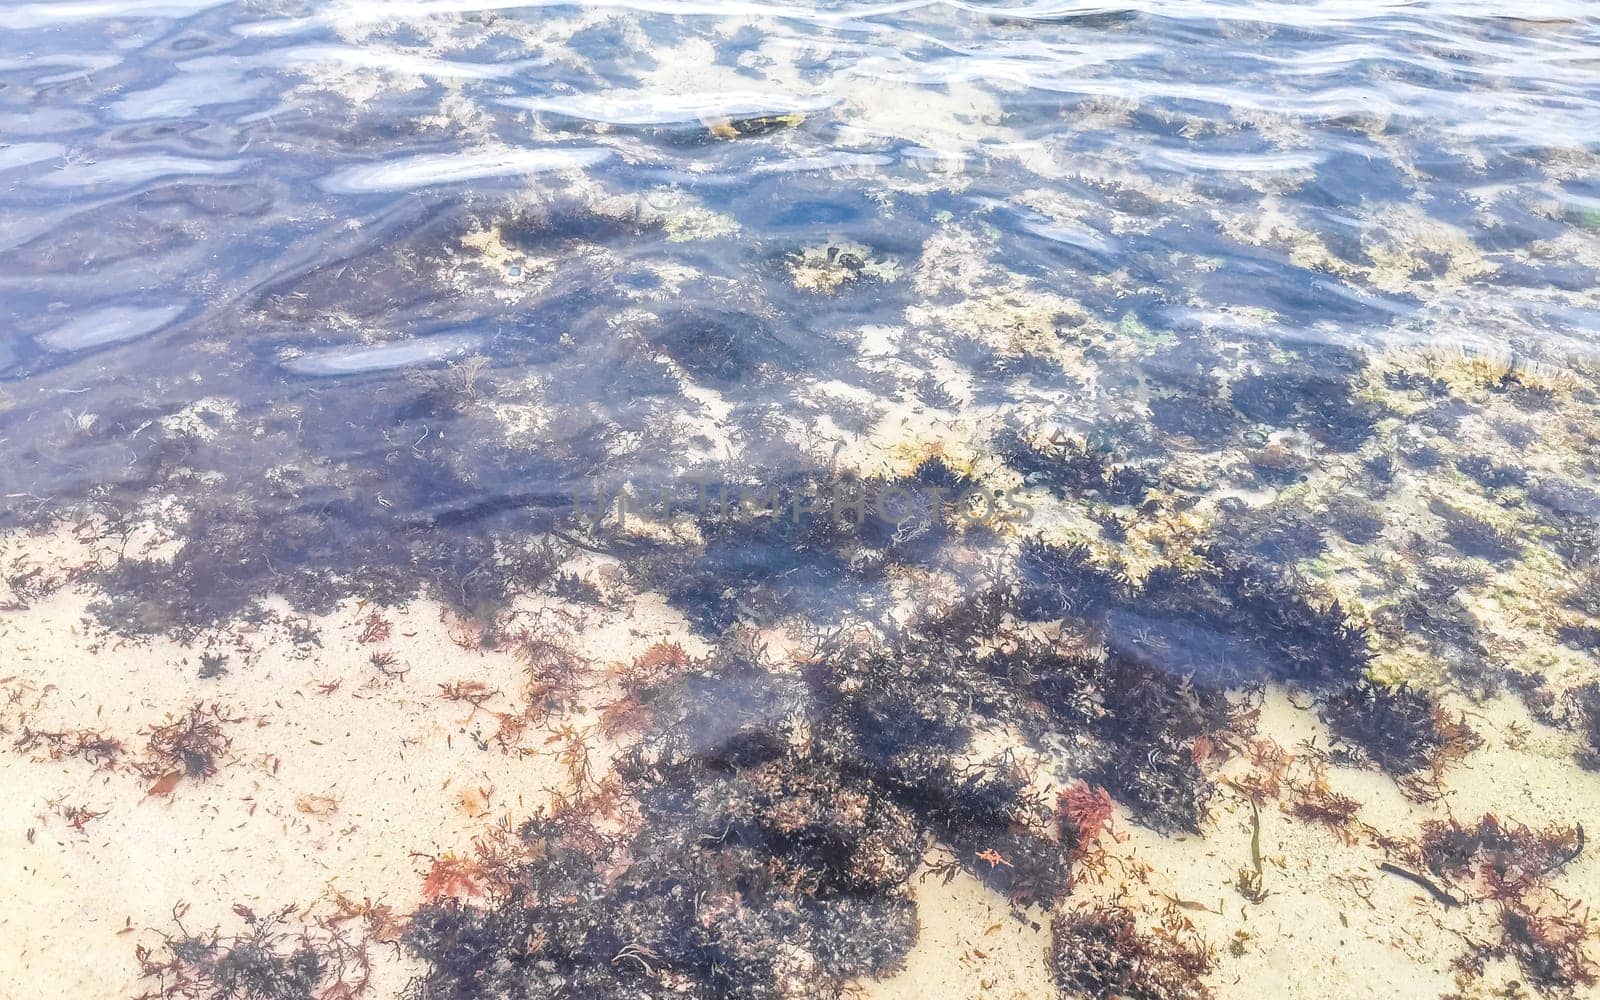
(697, 499)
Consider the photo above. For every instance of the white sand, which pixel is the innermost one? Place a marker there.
(339, 779)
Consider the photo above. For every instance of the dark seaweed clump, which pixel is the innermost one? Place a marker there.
(1267, 534)
(1511, 865)
(1573, 511)
(779, 821)
(1507, 859)
(265, 962)
(811, 543)
(237, 547)
(1321, 402)
(1157, 729)
(1205, 421)
(1075, 468)
(191, 744)
(907, 714)
(1148, 714)
(1063, 580)
(1491, 475)
(717, 348)
(766, 892)
(1396, 727)
(1244, 621)
(1586, 702)
(1168, 652)
(792, 807)
(1237, 621)
(1100, 954)
(1410, 381)
(1356, 521)
(1474, 536)
(1549, 947)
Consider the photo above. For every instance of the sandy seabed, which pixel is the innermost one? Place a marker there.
(345, 777)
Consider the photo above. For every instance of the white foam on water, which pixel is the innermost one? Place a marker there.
(38, 15)
(1193, 160)
(185, 94)
(395, 61)
(132, 171)
(642, 108)
(356, 12)
(412, 172)
(24, 153)
(385, 357)
(1050, 229)
(78, 65)
(109, 325)
(823, 161)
